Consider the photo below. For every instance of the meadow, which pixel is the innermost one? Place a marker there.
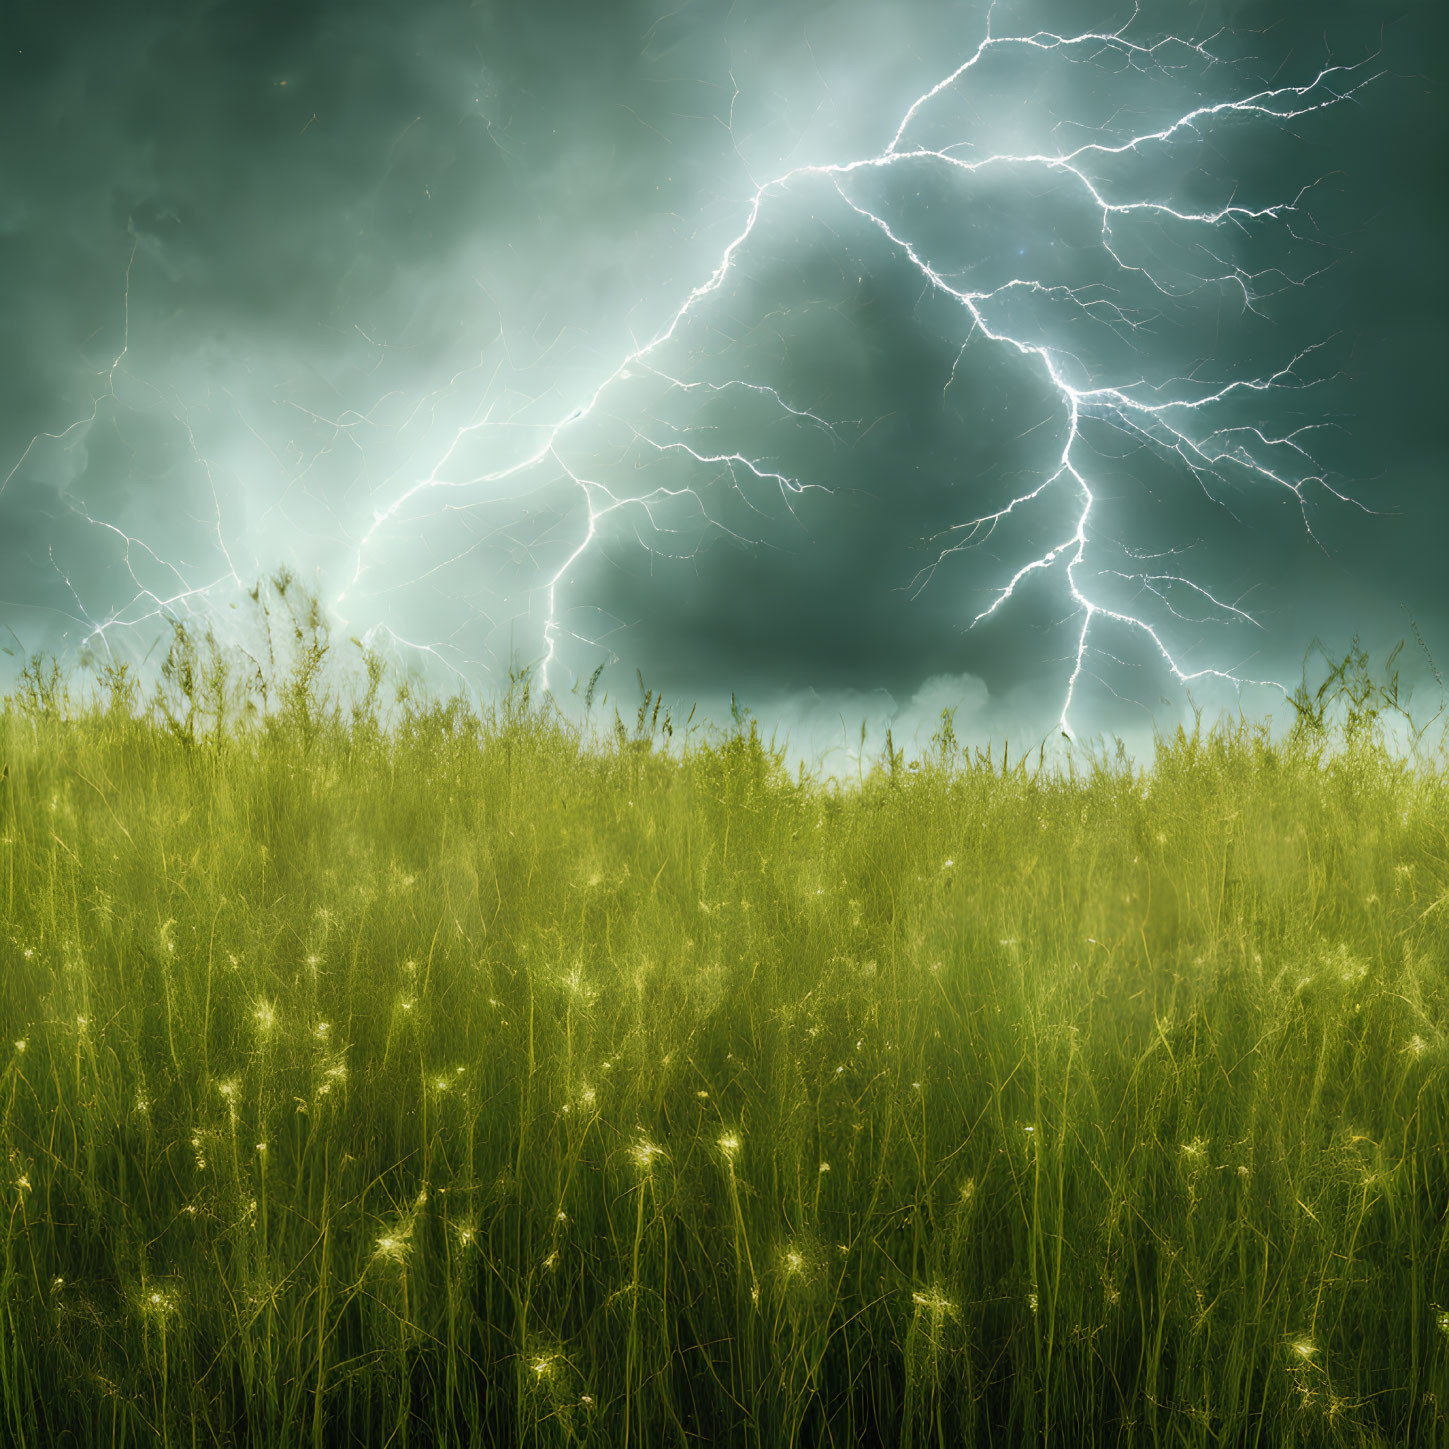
(383, 1070)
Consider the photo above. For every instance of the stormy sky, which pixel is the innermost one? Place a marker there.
(645, 334)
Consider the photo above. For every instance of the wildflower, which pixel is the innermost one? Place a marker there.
(323, 1027)
(1304, 1348)
(158, 1302)
(21, 1045)
(934, 1302)
(1031, 1302)
(729, 1144)
(643, 1154)
(824, 1167)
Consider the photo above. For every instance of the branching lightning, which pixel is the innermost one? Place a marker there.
(1183, 422)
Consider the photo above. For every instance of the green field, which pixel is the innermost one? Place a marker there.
(449, 1082)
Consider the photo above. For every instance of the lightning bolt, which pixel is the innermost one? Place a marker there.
(1193, 426)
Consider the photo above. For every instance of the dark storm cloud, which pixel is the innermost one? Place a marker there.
(283, 253)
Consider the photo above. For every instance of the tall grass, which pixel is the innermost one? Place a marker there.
(431, 1078)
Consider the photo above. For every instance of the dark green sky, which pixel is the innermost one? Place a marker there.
(270, 269)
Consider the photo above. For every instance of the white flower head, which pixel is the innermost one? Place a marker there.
(643, 1153)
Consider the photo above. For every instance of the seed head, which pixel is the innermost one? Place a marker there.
(159, 1302)
(934, 1302)
(643, 1153)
